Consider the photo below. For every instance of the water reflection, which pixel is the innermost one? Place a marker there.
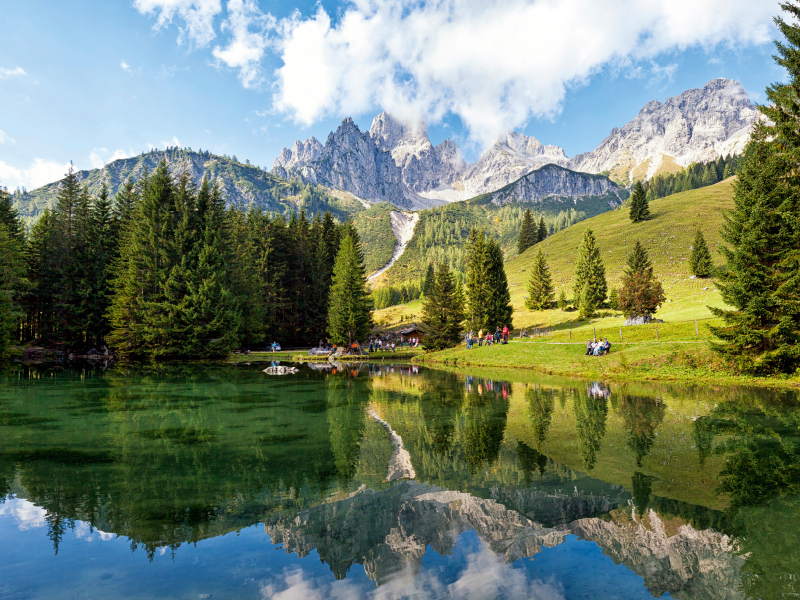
(693, 491)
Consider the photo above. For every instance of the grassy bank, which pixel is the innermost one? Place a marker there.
(666, 360)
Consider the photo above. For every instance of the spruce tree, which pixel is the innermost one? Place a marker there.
(349, 315)
(527, 233)
(66, 224)
(430, 279)
(728, 172)
(542, 232)
(500, 309)
(639, 206)
(700, 259)
(478, 300)
(10, 217)
(443, 312)
(11, 277)
(540, 285)
(562, 300)
(211, 306)
(641, 293)
(587, 305)
(590, 273)
(102, 251)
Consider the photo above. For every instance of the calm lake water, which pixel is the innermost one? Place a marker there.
(391, 482)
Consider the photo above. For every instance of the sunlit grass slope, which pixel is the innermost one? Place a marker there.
(667, 235)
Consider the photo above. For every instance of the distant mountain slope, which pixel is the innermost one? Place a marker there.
(241, 184)
(442, 232)
(697, 126)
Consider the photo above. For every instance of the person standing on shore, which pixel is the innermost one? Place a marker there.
(505, 334)
(480, 337)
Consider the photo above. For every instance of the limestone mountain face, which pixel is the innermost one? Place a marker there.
(697, 126)
(396, 162)
(552, 181)
(507, 160)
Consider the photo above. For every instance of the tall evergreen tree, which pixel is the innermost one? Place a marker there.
(429, 281)
(639, 206)
(542, 232)
(700, 258)
(102, 251)
(43, 281)
(443, 312)
(500, 309)
(641, 293)
(10, 217)
(540, 285)
(65, 217)
(527, 234)
(590, 274)
(349, 315)
(478, 300)
(11, 275)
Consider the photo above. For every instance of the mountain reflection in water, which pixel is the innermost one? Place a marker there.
(400, 470)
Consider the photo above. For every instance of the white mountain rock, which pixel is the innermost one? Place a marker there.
(507, 160)
(697, 126)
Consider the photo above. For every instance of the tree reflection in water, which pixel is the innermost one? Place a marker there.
(759, 434)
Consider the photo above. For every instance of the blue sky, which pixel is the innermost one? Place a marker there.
(86, 81)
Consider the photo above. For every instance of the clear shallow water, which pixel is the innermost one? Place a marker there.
(225, 482)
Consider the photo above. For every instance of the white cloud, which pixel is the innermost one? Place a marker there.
(25, 514)
(485, 575)
(37, 174)
(15, 72)
(197, 15)
(126, 67)
(5, 138)
(100, 157)
(173, 142)
(248, 27)
(494, 63)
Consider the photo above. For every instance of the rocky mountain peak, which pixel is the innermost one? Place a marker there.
(696, 126)
(388, 132)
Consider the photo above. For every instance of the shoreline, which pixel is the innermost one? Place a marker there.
(635, 361)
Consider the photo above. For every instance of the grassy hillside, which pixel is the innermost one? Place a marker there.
(242, 184)
(377, 238)
(442, 232)
(667, 235)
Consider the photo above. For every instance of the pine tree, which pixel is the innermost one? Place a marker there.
(542, 233)
(613, 299)
(500, 309)
(66, 224)
(430, 279)
(443, 312)
(540, 285)
(587, 305)
(476, 280)
(639, 206)
(10, 217)
(349, 315)
(11, 274)
(43, 282)
(211, 307)
(102, 251)
(641, 293)
(527, 233)
(136, 313)
(728, 172)
(590, 273)
(700, 259)
(562, 300)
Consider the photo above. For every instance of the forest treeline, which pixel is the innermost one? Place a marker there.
(164, 270)
(695, 176)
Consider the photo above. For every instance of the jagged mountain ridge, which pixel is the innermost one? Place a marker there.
(396, 162)
(241, 184)
(696, 126)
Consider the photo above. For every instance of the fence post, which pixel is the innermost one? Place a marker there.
(570, 333)
(620, 334)
(695, 327)
(656, 332)
(595, 332)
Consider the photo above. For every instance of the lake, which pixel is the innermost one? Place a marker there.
(392, 481)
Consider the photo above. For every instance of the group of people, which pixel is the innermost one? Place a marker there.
(498, 337)
(380, 345)
(597, 347)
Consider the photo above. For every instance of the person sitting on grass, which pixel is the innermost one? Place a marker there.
(589, 348)
(488, 339)
(606, 347)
